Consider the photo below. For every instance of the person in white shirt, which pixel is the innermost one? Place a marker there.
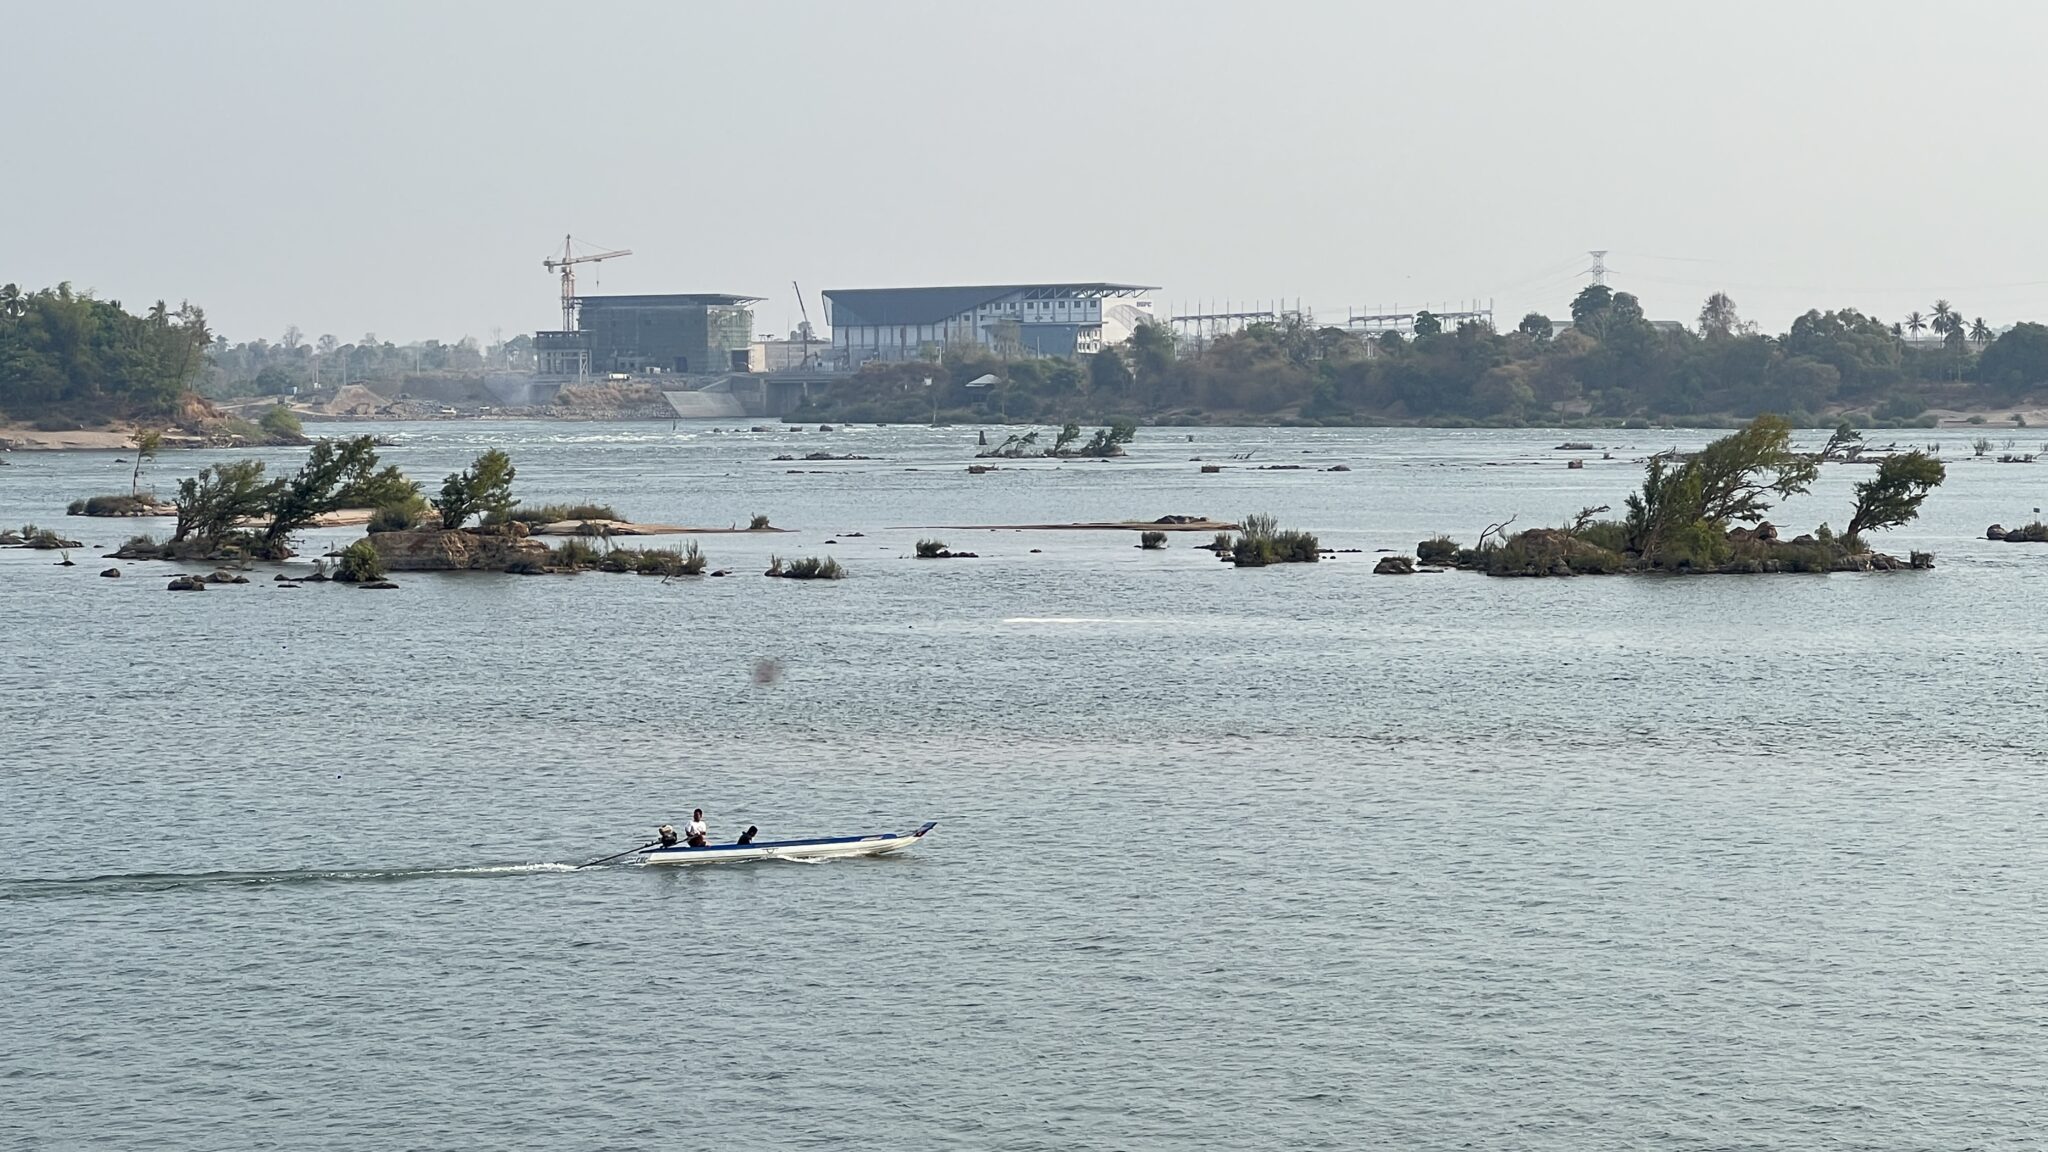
(695, 834)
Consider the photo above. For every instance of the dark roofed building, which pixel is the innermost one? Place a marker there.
(1013, 319)
(695, 332)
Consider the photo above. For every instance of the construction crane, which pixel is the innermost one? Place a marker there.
(568, 264)
(806, 312)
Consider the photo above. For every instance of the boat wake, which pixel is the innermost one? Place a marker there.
(32, 888)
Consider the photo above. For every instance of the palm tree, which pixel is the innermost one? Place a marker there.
(1916, 324)
(13, 304)
(1980, 332)
(1945, 319)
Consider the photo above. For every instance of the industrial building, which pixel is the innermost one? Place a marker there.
(1012, 320)
(678, 333)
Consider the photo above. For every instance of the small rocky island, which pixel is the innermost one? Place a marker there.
(1705, 513)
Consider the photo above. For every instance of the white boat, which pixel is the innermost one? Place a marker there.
(827, 848)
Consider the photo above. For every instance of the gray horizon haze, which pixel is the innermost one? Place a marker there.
(402, 169)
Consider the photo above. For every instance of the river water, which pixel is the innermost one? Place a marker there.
(1299, 857)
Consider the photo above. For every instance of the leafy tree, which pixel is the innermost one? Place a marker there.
(1592, 300)
(1625, 309)
(1718, 316)
(337, 474)
(1725, 483)
(1107, 371)
(485, 487)
(1151, 353)
(491, 485)
(213, 503)
(147, 442)
(1893, 496)
(1068, 434)
(2018, 358)
(1426, 324)
(1945, 319)
(1536, 325)
(1110, 441)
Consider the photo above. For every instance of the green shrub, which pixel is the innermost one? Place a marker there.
(1261, 542)
(556, 513)
(58, 424)
(1695, 547)
(574, 553)
(1610, 535)
(930, 549)
(1220, 544)
(1294, 547)
(808, 568)
(656, 561)
(1976, 419)
(400, 516)
(1541, 551)
(1151, 540)
(1437, 550)
(757, 523)
(236, 428)
(120, 504)
(282, 423)
(359, 564)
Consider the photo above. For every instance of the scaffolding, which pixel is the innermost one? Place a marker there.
(1378, 320)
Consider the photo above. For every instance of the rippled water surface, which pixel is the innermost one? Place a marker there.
(1297, 857)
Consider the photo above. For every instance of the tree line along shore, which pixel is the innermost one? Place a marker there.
(73, 365)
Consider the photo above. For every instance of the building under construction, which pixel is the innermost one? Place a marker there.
(687, 333)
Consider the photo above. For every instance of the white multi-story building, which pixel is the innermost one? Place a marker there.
(1010, 319)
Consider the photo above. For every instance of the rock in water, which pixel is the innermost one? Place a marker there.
(1395, 566)
(187, 584)
(1995, 532)
(378, 585)
(112, 574)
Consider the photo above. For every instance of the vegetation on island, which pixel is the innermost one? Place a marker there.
(360, 563)
(577, 554)
(808, 568)
(537, 514)
(1261, 541)
(1706, 513)
(2034, 533)
(37, 538)
(1606, 363)
(234, 510)
(1151, 540)
(1107, 442)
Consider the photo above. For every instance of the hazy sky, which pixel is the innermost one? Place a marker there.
(403, 167)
